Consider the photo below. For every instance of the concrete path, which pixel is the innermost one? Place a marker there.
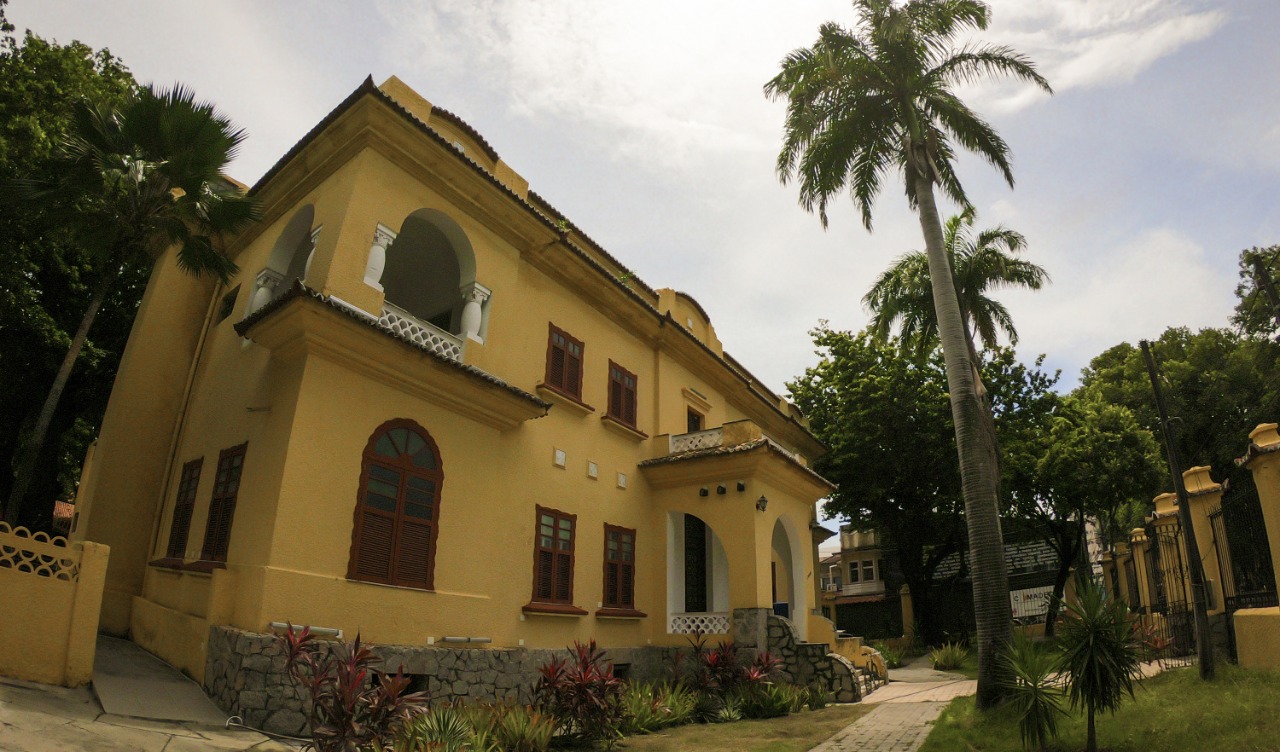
(138, 704)
(905, 711)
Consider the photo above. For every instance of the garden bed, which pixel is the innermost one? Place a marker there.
(792, 733)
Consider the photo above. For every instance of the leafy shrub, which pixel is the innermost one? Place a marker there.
(651, 707)
(766, 700)
(680, 702)
(582, 694)
(817, 698)
(892, 657)
(351, 706)
(518, 728)
(948, 657)
(443, 728)
(1034, 697)
(1099, 653)
(730, 710)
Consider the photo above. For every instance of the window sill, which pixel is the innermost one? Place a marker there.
(552, 609)
(573, 403)
(620, 613)
(205, 566)
(631, 432)
(167, 563)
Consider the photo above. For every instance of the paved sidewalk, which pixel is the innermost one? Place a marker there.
(905, 711)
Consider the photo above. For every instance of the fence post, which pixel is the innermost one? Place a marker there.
(82, 632)
(1141, 562)
(1123, 586)
(1205, 496)
(1263, 460)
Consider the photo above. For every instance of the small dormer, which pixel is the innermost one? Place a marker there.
(689, 314)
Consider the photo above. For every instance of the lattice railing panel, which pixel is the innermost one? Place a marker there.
(433, 338)
(704, 623)
(38, 553)
(687, 442)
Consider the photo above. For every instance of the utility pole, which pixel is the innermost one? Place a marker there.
(1204, 648)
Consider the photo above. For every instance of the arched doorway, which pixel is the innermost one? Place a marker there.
(430, 275)
(788, 584)
(697, 577)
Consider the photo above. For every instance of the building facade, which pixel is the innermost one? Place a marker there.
(431, 411)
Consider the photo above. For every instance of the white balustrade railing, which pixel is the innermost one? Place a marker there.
(687, 442)
(703, 622)
(863, 588)
(432, 337)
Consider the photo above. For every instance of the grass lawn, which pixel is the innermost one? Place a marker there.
(793, 733)
(1239, 711)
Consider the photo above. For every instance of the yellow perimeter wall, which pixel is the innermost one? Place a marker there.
(50, 595)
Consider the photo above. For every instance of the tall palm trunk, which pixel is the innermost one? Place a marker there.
(979, 478)
(31, 452)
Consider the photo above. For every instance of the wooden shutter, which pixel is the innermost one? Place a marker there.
(695, 564)
(397, 511)
(619, 567)
(564, 362)
(553, 556)
(180, 527)
(622, 394)
(222, 508)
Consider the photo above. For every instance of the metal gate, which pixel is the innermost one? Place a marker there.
(1170, 625)
(1244, 554)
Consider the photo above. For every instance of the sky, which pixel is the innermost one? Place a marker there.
(1156, 161)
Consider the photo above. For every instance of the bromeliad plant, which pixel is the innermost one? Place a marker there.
(1034, 696)
(583, 695)
(351, 706)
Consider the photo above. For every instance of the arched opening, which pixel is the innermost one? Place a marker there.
(429, 267)
(697, 577)
(289, 259)
(788, 585)
(393, 541)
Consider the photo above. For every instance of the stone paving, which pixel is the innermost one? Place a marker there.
(44, 718)
(905, 711)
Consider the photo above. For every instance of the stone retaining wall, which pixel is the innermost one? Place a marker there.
(246, 674)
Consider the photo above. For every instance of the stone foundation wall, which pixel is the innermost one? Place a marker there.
(246, 674)
(810, 663)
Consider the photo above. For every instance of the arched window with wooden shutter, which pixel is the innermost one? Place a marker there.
(398, 510)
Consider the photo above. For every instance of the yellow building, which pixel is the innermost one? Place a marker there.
(431, 411)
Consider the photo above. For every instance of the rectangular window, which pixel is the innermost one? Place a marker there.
(182, 509)
(619, 567)
(695, 420)
(869, 570)
(853, 571)
(564, 363)
(228, 304)
(622, 394)
(226, 486)
(553, 557)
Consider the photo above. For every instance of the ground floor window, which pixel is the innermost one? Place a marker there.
(553, 557)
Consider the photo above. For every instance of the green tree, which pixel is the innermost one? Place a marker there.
(883, 414)
(46, 276)
(1256, 312)
(1087, 459)
(1219, 386)
(879, 98)
(902, 295)
(135, 180)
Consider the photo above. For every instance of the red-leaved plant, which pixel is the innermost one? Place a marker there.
(583, 695)
(351, 707)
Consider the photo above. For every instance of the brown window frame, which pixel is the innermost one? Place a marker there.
(617, 404)
(403, 466)
(620, 599)
(183, 509)
(563, 384)
(694, 416)
(556, 566)
(222, 506)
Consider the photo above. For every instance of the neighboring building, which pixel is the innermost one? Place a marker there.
(430, 410)
(854, 593)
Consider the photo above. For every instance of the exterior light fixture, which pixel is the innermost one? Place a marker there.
(741, 486)
(762, 503)
(721, 489)
(703, 491)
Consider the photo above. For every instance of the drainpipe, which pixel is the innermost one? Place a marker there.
(180, 423)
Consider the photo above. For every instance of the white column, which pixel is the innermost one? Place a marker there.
(382, 238)
(265, 288)
(473, 295)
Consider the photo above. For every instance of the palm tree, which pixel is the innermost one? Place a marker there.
(877, 98)
(136, 180)
(903, 294)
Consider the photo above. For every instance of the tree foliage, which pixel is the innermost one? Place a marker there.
(1255, 313)
(46, 276)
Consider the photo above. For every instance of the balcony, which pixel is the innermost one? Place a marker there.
(431, 337)
(700, 623)
(875, 587)
(687, 442)
(732, 434)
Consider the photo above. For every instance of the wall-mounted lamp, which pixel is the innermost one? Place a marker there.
(762, 503)
(721, 490)
(703, 492)
(742, 486)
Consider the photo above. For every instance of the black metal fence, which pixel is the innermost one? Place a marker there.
(1169, 626)
(1244, 553)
